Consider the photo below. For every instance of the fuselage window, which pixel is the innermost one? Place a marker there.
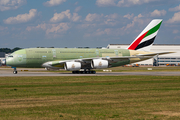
(106, 52)
(40, 51)
(74, 52)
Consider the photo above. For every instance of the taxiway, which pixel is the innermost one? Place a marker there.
(8, 73)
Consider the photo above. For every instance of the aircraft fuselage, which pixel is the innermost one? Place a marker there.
(35, 57)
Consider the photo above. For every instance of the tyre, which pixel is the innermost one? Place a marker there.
(15, 72)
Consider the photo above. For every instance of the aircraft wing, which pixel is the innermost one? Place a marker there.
(85, 61)
(153, 54)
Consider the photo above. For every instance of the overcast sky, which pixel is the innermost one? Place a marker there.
(84, 23)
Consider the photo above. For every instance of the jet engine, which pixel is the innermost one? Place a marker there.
(72, 66)
(99, 64)
(51, 69)
(3, 62)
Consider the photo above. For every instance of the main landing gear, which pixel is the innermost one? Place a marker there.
(84, 72)
(15, 71)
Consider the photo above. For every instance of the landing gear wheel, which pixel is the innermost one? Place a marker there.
(15, 72)
(83, 72)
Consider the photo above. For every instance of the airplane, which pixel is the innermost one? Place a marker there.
(81, 60)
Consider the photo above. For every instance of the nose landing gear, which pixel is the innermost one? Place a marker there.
(15, 71)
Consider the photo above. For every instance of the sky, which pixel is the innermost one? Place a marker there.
(84, 23)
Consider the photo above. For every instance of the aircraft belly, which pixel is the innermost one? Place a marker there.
(133, 60)
(120, 63)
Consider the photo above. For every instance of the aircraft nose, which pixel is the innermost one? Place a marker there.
(9, 61)
(3, 62)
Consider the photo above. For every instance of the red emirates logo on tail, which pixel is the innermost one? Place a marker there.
(136, 43)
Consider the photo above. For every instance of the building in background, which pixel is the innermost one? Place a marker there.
(2, 56)
(167, 59)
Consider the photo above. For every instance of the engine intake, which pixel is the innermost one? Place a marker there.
(72, 66)
(3, 62)
(99, 64)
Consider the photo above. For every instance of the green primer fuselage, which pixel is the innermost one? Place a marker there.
(35, 57)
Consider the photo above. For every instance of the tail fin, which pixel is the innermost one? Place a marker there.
(146, 38)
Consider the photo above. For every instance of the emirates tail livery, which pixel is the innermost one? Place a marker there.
(146, 38)
(80, 60)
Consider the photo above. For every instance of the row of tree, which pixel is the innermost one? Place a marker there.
(8, 50)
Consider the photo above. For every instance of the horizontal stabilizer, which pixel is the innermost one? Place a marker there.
(153, 54)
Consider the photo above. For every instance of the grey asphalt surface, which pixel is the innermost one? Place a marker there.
(8, 73)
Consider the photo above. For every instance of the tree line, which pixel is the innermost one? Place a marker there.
(8, 50)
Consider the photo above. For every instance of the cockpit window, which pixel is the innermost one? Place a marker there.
(10, 56)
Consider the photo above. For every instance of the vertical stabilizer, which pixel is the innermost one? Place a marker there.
(146, 38)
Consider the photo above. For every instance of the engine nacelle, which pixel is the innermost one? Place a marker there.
(3, 62)
(99, 64)
(51, 69)
(72, 66)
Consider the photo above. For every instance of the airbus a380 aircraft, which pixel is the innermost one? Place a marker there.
(74, 59)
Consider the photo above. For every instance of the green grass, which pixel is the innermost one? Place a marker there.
(91, 97)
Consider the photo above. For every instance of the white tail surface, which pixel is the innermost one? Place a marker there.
(146, 38)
